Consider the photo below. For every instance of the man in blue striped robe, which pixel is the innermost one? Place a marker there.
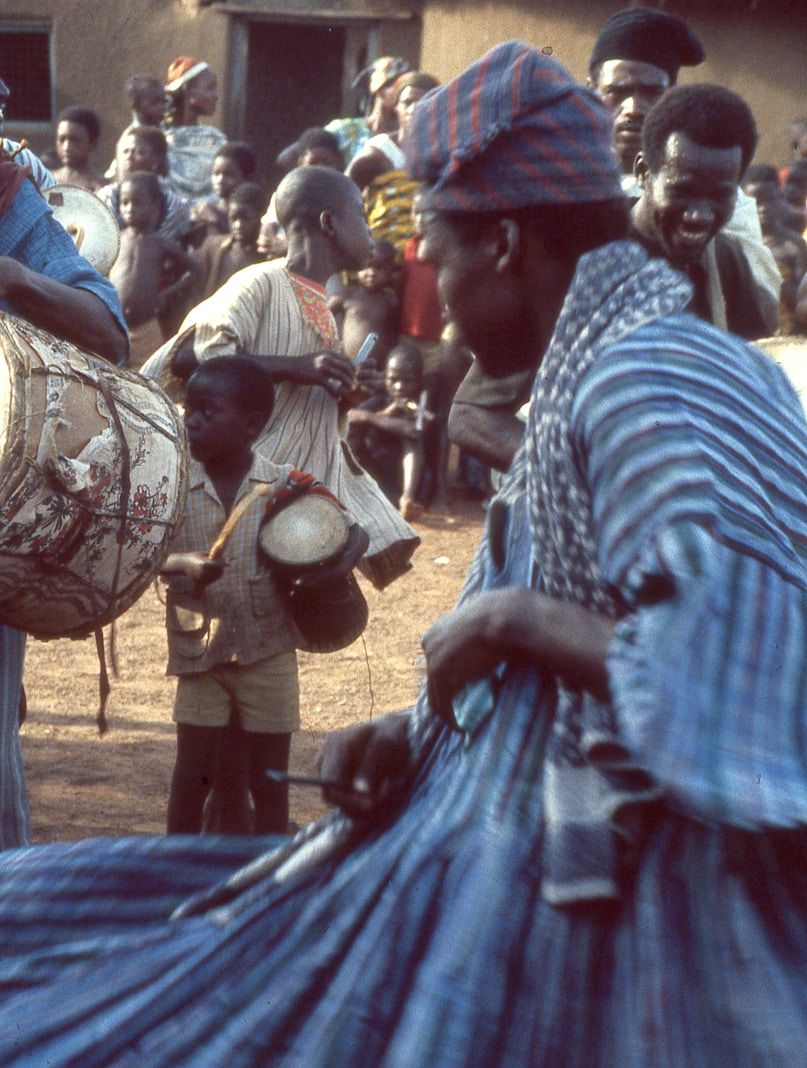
(585, 846)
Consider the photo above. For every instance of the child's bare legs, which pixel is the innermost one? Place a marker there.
(268, 751)
(194, 771)
(412, 464)
(228, 809)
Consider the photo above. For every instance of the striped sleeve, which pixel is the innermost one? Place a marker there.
(695, 449)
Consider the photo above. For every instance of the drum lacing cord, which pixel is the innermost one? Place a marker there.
(125, 494)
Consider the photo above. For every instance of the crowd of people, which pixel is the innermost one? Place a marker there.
(582, 847)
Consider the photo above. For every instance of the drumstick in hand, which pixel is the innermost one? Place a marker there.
(217, 548)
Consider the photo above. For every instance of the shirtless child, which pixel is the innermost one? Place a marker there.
(370, 305)
(144, 261)
(233, 164)
(789, 249)
(77, 133)
(222, 255)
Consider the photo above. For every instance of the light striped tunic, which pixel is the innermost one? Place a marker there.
(427, 941)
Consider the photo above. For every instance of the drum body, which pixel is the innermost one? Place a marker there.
(303, 540)
(92, 484)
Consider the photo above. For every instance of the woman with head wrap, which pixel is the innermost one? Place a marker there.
(191, 91)
(584, 848)
(379, 169)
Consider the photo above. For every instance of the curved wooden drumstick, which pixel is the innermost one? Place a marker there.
(217, 548)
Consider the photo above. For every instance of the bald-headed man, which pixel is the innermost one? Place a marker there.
(278, 312)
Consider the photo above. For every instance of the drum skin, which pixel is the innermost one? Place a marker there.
(89, 222)
(309, 532)
(93, 474)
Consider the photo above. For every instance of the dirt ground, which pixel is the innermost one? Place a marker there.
(84, 785)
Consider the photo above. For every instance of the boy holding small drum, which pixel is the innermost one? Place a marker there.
(231, 642)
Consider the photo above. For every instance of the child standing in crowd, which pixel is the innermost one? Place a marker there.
(146, 98)
(223, 254)
(272, 243)
(143, 148)
(421, 324)
(77, 133)
(390, 433)
(144, 262)
(230, 641)
(370, 305)
(233, 164)
(789, 249)
(794, 190)
(798, 146)
(318, 148)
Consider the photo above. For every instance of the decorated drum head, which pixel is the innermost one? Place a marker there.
(310, 531)
(89, 222)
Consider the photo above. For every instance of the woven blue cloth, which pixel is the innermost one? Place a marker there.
(426, 939)
(30, 234)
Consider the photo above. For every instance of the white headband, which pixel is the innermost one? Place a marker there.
(191, 72)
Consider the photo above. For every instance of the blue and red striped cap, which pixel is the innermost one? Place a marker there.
(513, 130)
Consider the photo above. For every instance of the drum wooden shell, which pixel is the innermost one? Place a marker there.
(328, 615)
(92, 484)
(302, 540)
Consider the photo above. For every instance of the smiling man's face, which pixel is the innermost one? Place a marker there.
(688, 198)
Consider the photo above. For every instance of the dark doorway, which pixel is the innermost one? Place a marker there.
(294, 80)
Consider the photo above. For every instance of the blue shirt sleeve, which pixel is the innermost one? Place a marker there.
(30, 235)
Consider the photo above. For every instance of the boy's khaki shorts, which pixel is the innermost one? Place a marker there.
(265, 696)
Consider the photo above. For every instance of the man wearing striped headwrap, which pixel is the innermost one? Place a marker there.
(657, 507)
(483, 419)
(585, 846)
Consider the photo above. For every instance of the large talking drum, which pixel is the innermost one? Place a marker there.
(305, 541)
(791, 355)
(92, 484)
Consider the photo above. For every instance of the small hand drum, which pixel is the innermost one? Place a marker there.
(309, 532)
(305, 541)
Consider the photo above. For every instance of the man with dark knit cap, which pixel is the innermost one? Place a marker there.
(636, 58)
